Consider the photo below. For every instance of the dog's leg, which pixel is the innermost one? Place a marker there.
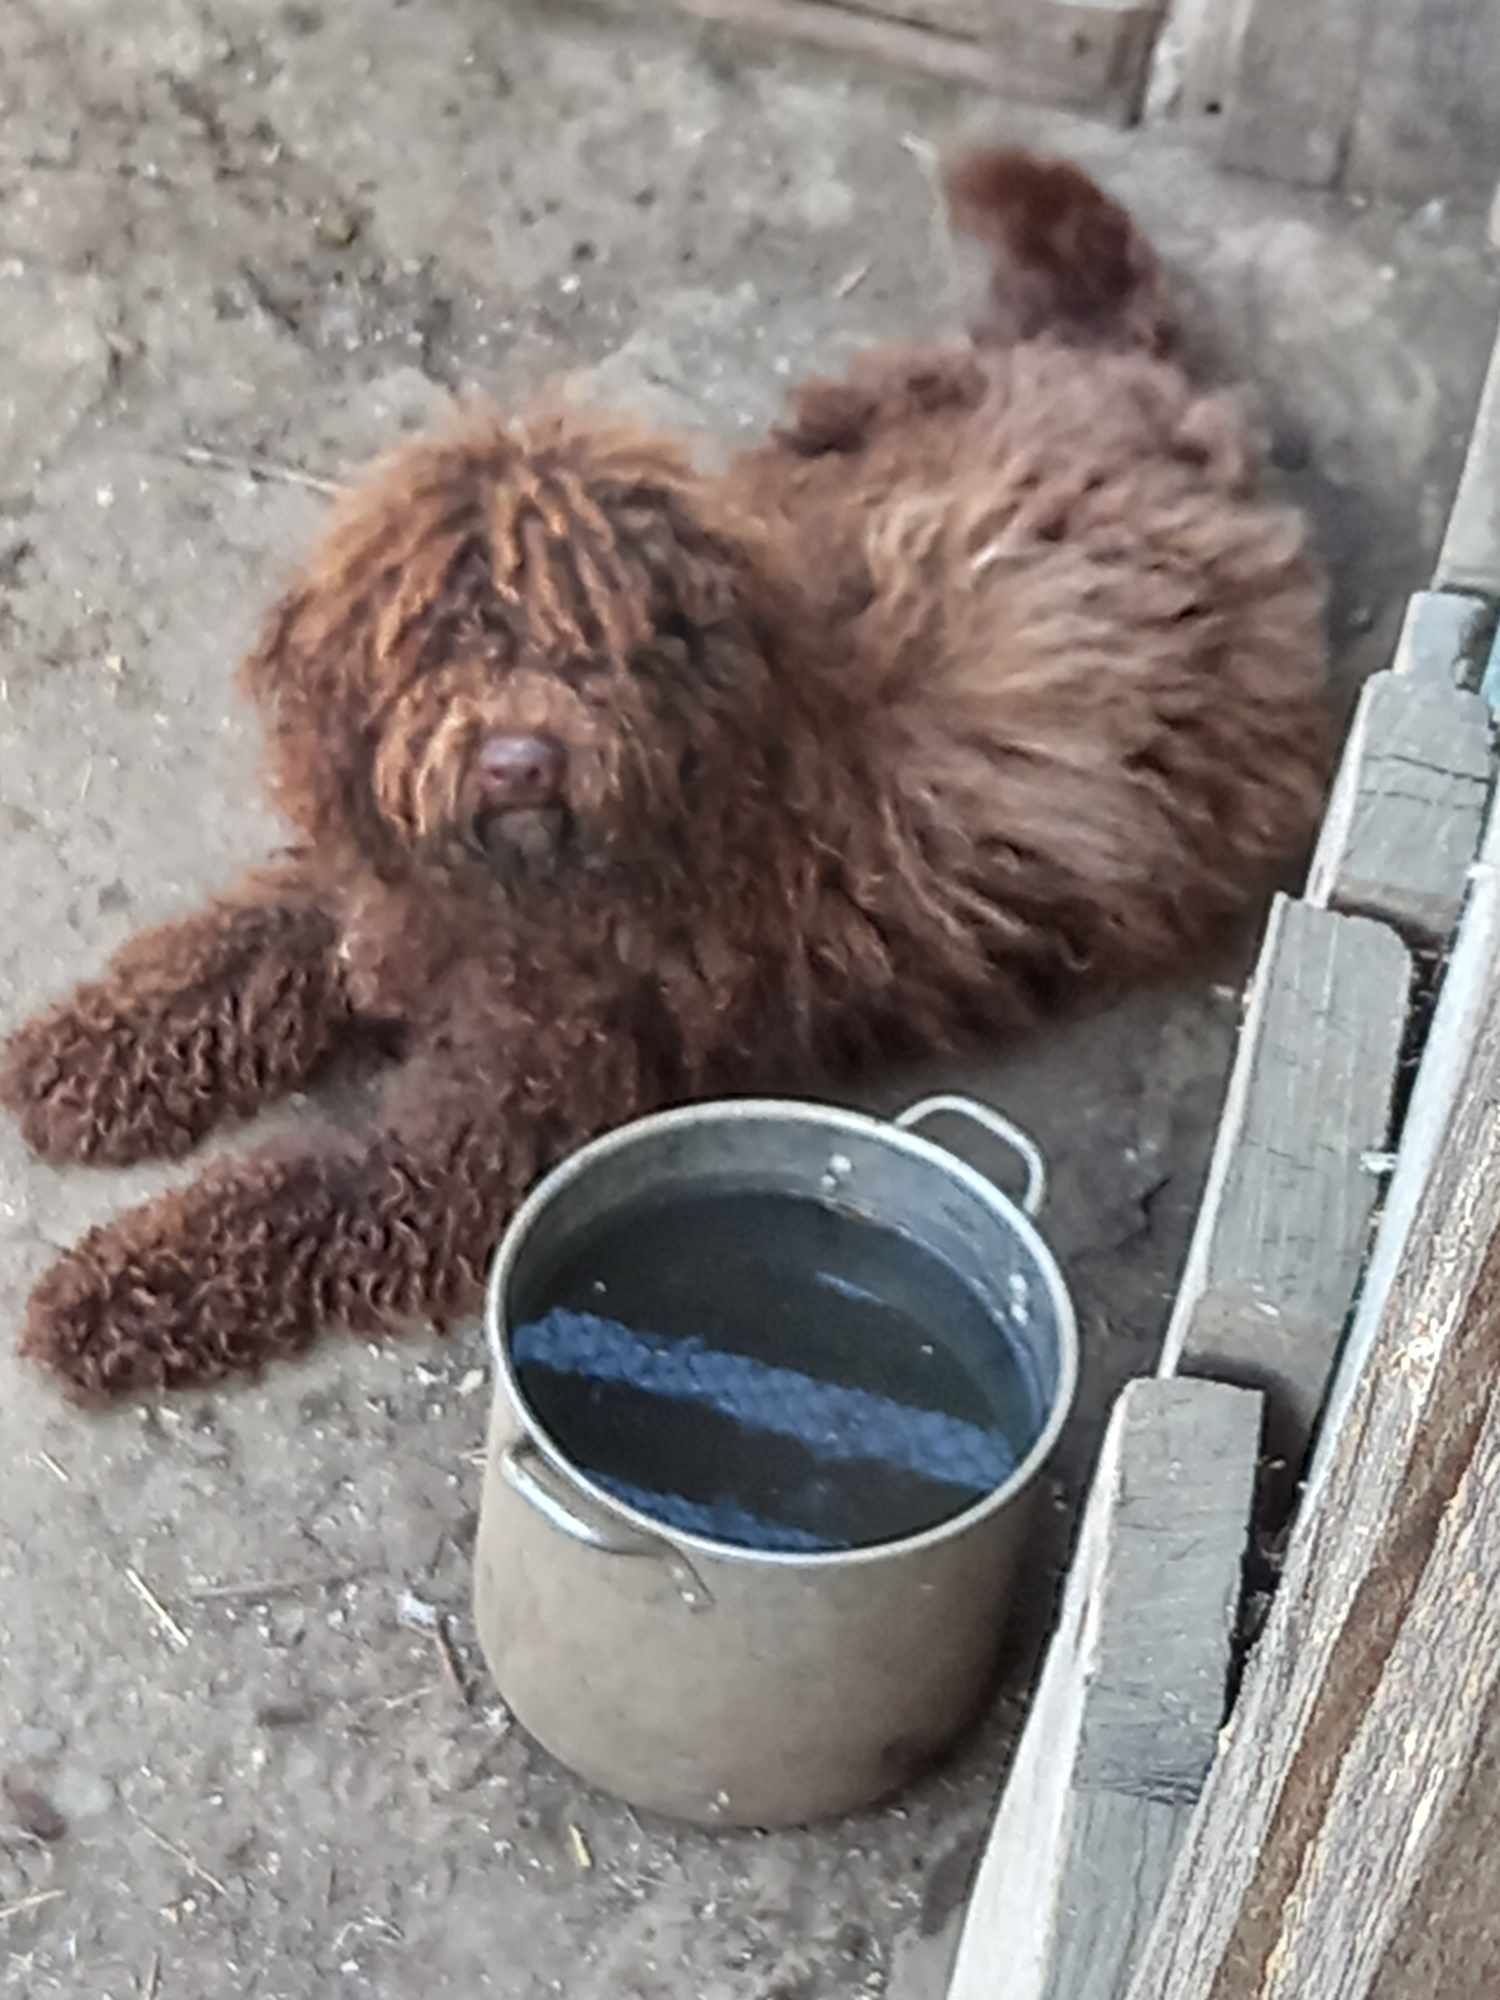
(207, 1018)
(256, 1257)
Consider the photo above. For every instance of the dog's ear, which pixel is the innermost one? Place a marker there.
(318, 735)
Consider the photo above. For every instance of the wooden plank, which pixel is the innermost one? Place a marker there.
(1489, 680)
(1282, 1230)
(1356, 1790)
(1086, 57)
(1398, 1892)
(1472, 970)
(1194, 55)
(1427, 122)
(1404, 819)
(1470, 556)
(1126, 1717)
(971, 18)
(1083, 57)
(1444, 637)
(1293, 85)
(954, 58)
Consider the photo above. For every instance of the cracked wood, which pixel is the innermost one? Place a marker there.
(1347, 1844)
(1285, 1217)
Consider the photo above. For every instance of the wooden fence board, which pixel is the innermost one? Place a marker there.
(1404, 819)
(1124, 1723)
(1444, 637)
(1085, 55)
(1427, 119)
(1397, 1527)
(1283, 1226)
(1470, 556)
(1472, 972)
(1293, 86)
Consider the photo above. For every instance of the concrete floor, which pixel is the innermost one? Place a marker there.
(282, 233)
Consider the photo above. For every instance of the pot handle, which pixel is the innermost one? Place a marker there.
(992, 1122)
(527, 1473)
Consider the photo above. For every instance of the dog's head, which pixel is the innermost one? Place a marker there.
(524, 647)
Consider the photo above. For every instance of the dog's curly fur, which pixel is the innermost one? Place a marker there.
(988, 675)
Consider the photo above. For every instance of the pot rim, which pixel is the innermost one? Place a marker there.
(833, 1119)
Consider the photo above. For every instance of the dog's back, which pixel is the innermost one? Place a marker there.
(1068, 380)
(1082, 644)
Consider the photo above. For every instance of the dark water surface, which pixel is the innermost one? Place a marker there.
(772, 1371)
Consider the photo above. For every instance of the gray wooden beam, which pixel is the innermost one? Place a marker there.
(1124, 1724)
(1427, 120)
(1489, 680)
(1470, 556)
(1087, 55)
(1405, 815)
(1285, 1217)
(1444, 637)
(1293, 86)
(1192, 63)
(1471, 974)
(1346, 1846)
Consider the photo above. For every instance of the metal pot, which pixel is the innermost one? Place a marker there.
(716, 1683)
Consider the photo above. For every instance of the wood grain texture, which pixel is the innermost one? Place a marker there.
(1472, 972)
(1124, 1724)
(1293, 85)
(1470, 555)
(1356, 1789)
(1084, 57)
(1087, 57)
(954, 58)
(1444, 637)
(1284, 1222)
(950, 17)
(1366, 1880)
(1404, 819)
(1194, 55)
(1427, 120)
(1489, 679)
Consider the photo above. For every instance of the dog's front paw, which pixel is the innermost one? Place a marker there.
(80, 1092)
(106, 1323)
(42, 1089)
(134, 1309)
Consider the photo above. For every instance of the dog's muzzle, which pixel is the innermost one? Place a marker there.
(519, 809)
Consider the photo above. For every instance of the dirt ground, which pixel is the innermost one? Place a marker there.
(238, 235)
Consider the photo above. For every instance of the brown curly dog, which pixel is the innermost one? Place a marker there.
(618, 782)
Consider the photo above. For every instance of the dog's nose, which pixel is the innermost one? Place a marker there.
(521, 770)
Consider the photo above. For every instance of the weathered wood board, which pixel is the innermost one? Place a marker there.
(955, 58)
(1347, 1845)
(1283, 1227)
(1125, 1720)
(1427, 118)
(1403, 822)
(1390, 97)
(1087, 57)
(1398, 1886)
(1444, 637)
(1489, 680)
(1292, 88)
(1472, 971)
(1470, 555)
(1193, 58)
